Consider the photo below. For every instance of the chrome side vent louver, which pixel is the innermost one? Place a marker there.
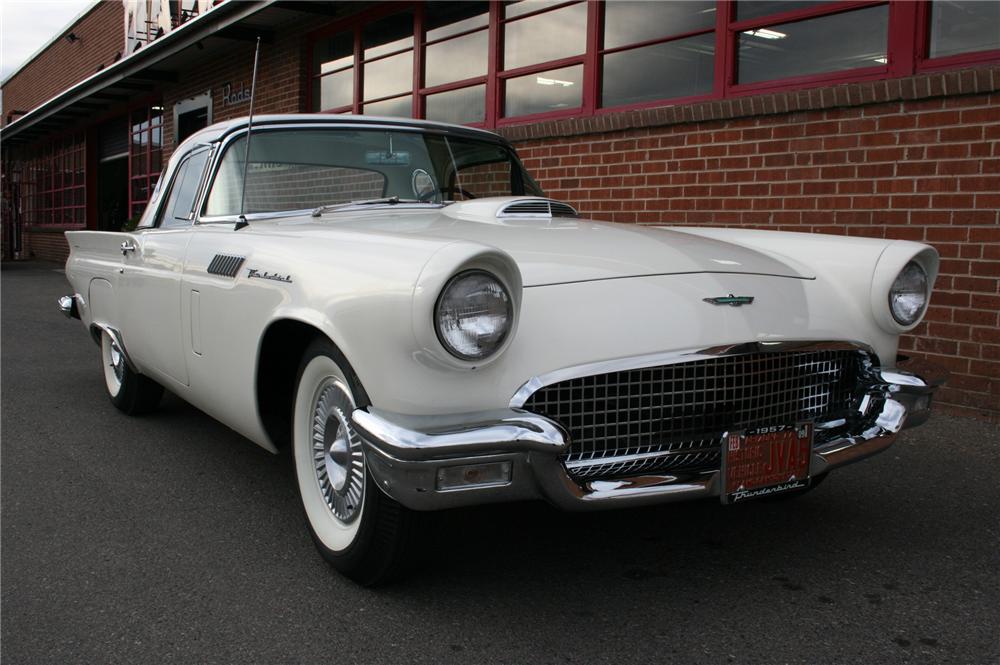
(225, 265)
(537, 208)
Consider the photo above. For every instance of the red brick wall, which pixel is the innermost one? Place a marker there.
(925, 170)
(45, 245)
(101, 36)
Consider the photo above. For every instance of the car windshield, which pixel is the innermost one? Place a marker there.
(297, 169)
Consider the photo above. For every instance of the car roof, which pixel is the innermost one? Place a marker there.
(219, 130)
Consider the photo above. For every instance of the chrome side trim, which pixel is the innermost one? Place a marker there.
(535, 383)
(117, 337)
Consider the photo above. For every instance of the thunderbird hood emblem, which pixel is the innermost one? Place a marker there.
(731, 300)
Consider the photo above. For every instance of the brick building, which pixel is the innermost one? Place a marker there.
(862, 118)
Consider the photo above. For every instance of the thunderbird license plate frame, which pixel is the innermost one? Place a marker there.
(766, 461)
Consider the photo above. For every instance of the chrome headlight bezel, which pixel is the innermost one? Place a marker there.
(496, 342)
(911, 282)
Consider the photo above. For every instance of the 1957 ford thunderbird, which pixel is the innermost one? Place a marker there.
(399, 305)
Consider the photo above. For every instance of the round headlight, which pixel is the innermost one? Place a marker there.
(908, 295)
(473, 315)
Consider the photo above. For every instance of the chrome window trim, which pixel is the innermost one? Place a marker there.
(535, 383)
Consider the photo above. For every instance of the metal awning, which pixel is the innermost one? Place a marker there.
(201, 40)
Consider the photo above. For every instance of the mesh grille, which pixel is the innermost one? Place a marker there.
(673, 416)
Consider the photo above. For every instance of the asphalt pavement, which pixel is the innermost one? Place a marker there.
(171, 539)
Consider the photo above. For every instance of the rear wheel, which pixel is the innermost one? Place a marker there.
(130, 392)
(357, 528)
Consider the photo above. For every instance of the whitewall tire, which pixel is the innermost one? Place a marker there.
(129, 391)
(357, 528)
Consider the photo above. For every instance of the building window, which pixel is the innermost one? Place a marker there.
(333, 72)
(456, 60)
(657, 50)
(387, 66)
(52, 185)
(958, 27)
(543, 53)
(145, 154)
(494, 63)
(821, 45)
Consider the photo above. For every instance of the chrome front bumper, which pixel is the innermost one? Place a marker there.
(410, 456)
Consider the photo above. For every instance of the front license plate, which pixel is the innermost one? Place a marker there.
(766, 461)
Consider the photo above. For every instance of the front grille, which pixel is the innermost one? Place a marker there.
(673, 417)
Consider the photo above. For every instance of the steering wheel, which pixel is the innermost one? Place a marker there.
(431, 193)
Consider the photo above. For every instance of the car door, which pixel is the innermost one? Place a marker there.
(150, 280)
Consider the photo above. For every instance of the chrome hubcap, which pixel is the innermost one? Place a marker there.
(339, 460)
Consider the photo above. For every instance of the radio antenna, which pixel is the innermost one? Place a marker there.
(242, 221)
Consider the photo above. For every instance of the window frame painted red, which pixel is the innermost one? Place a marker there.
(907, 44)
(146, 156)
(925, 63)
(32, 191)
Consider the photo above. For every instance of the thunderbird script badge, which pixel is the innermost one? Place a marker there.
(731, 300)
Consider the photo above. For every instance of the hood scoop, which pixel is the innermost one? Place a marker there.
(536, 208)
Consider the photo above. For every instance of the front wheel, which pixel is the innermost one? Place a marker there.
(130, 392)
(359, 530)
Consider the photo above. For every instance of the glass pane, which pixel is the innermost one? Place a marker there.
(632, 22)
(333, 91)
(392, 33)
(140, 120)
(333, 53)
(548, 91)
(681, 68)
(557, 34)
(459, 106)
(513, 9)
(756, 8)
(491, 179)
(824, 44)
(399, 107)
(138, 160)
(139, 189)
(181, 201)
(456, 59)
(963, 27)
(389, 76)
(442, 19)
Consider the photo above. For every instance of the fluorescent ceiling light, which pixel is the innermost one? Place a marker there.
(540, 80)
(764, 33)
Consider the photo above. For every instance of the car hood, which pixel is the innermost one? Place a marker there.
(559, 250)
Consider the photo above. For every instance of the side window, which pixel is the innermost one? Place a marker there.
(180, 201)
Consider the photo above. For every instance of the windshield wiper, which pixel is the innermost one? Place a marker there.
(388, 200)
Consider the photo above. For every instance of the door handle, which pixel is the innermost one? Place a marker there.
(127, 246)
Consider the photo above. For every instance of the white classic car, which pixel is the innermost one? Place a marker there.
(398, 304)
